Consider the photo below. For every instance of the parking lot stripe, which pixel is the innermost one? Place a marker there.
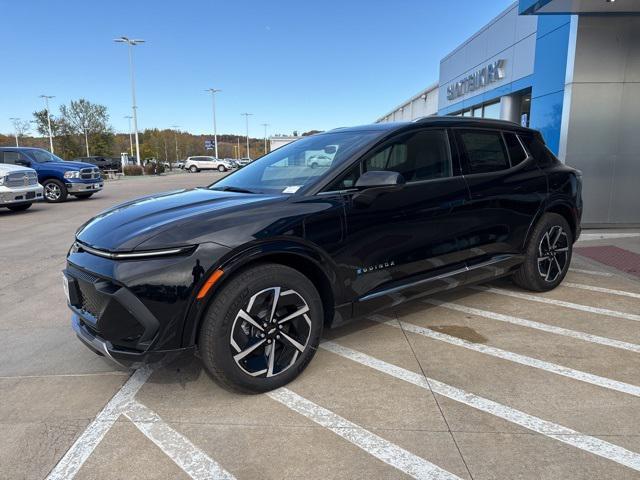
(549, 429)
(579, 375)
(587, 337)
(592, 288)
(193, 461)
(591, 272)
(560, 303)
(606, 236)
(383, 450)
(72, 461)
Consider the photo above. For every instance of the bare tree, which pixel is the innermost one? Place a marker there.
(85, 118)
(20, 127)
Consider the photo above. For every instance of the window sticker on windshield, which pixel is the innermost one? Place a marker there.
(292, 189)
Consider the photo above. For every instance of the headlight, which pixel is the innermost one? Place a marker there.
(134, 255)
(72, 174)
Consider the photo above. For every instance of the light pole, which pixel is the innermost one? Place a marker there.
(129, 117)
(46, 105)
(213, 92)
(238, 148)
(16, 122)
(265, 125)
(175, 127)
(246, 117)
(132, 43)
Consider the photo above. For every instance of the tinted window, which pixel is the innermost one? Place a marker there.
(345, 181)
(485, 151)
(417, 156)
(516, 152)
(538, 150)
(10, 157)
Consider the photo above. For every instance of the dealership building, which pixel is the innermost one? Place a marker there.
(569, 68)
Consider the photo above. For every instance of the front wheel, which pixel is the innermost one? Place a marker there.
(54, 191)
(262, 329)
(547, 256)
(19, 208)
(193, 169)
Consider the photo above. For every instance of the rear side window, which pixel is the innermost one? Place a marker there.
(10, 157)
(516, 152)
(485, 151)
(538, 150)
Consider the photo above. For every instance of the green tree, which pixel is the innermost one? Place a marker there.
(85, 118)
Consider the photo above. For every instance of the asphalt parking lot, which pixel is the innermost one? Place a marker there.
(483, 383)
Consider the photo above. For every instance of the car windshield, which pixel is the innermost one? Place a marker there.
(42, 156)
(296, 164)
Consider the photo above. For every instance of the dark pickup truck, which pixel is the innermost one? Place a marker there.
(103, 163)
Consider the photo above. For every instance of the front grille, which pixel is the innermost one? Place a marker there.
(21, 179)
(90, 174)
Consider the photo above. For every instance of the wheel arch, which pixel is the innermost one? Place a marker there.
(560, 207)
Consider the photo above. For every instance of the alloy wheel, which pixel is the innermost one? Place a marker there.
(270, 333)
(553, 253)
(52, 191)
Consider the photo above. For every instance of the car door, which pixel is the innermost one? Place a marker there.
(506, 190)
(402, 241)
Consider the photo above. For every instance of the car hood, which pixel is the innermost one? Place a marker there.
(10, 168)
(66, 166)
(176, 218)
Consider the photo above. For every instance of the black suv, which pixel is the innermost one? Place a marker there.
(249, 270)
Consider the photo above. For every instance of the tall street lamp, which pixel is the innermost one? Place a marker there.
(246, 117)
(213, 92)
(129, 117)
(46, 106)
(132, 43)
(265, 125)
(176, 127)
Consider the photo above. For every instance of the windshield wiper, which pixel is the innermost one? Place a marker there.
(229, 188)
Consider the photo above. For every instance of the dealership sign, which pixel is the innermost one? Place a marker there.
(478, 79)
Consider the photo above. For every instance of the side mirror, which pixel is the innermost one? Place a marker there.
(24, 163)
(379, 179)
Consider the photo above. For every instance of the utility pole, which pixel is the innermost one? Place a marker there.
(265, 125)
(16, 122)
(132, 43)
(129, 117)
(246, 117)
(213, 92)
(46, 104)
(175, 127)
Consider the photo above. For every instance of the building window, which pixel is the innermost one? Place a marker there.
(491, 110)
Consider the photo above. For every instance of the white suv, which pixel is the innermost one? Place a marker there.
(19, 187)
(195, 164)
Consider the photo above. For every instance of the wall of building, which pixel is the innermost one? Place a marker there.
(509, 37)
(422, 104)
(601, 117)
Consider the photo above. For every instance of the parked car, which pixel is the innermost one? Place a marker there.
(316, 161)
(19, 187)
(103, 163)
(251, 269)
(195, 164)
(170, 165)
(59, 178)
(243, 162)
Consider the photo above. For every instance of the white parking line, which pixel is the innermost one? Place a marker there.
(55, 375)
(587, 337)
(591, 272)
(193, 461)
(558, 432)
(606, 236)
(582, 286)
(72, 461)
(383, 450)
(560, 303)
(515, 357)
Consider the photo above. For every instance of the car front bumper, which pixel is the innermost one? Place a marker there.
(13, 196)
(87, 186)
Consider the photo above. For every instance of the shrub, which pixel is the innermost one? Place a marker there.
(132, 170)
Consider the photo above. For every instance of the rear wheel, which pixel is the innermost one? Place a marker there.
(54, 191)
(547, 256)
(222, 168)
(262, 329)
(19, 208)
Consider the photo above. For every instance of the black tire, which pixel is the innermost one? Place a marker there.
(19, 208)
(222, 168)
(54, 191)
(547, 255)
(83, 196)
(314, 165)
(193, 169)
(249, 291)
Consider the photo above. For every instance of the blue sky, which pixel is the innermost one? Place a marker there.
(295, 65)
